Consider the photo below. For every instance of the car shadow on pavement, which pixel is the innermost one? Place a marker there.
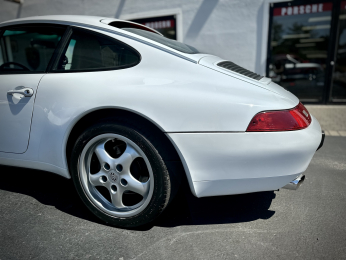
(185, 209)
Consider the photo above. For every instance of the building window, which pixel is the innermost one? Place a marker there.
(298, 47)
(166, 25)
(338, 93)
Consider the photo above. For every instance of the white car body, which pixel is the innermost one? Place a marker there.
(203, 109)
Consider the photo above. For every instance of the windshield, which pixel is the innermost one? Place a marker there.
(182, 47)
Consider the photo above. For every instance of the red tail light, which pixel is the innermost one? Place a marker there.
(281, 120)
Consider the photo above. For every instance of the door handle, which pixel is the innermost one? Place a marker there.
(27, 92)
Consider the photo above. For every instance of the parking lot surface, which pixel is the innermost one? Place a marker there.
(42, 217)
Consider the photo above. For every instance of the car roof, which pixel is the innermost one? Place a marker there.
(91, 20)
(101, 23)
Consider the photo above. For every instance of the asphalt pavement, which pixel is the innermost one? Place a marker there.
(42, 217)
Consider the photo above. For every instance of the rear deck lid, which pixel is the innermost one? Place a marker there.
(236, 71)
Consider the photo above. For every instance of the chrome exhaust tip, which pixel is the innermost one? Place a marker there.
(294, 185)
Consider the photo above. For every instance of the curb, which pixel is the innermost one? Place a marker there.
(334, 133)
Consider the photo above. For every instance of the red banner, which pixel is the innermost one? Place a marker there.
(304, 9)
(160, 24)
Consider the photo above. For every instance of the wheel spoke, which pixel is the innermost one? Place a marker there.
(117, 199)
(127, 158)
(141, 188)
(95, 179)
(102, 155)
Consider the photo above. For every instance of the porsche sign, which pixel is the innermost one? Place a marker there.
(303, 9)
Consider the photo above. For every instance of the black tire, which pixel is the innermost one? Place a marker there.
(162, 185)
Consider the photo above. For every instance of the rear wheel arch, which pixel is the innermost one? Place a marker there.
(149, 129)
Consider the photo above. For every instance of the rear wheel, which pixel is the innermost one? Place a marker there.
(119, 175)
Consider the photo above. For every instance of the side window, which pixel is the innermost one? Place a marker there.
(28, 49)
(89, 51)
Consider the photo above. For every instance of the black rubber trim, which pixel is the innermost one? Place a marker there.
(322, 140)
(60, 49)
(236, 68)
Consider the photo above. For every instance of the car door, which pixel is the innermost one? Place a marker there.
(25, 53)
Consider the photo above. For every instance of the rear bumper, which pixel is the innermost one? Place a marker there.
(234, 163)
(295, 184)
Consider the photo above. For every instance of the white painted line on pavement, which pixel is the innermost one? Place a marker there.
(342, 133)
(333, 133)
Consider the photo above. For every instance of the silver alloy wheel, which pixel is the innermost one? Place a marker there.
(115, 175)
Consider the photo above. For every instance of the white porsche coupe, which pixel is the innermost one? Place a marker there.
(128, 114)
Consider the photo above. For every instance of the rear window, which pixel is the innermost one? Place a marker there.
(182, 47)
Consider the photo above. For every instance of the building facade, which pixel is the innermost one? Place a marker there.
(301, 44)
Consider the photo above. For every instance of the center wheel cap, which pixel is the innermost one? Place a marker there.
(113, 176)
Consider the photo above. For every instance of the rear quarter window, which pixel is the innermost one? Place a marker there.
(88, 51)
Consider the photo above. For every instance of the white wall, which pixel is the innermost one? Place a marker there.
(232, 29)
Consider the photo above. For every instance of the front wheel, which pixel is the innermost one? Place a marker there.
(119, 175)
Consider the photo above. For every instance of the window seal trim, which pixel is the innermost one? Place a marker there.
(59, 50)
